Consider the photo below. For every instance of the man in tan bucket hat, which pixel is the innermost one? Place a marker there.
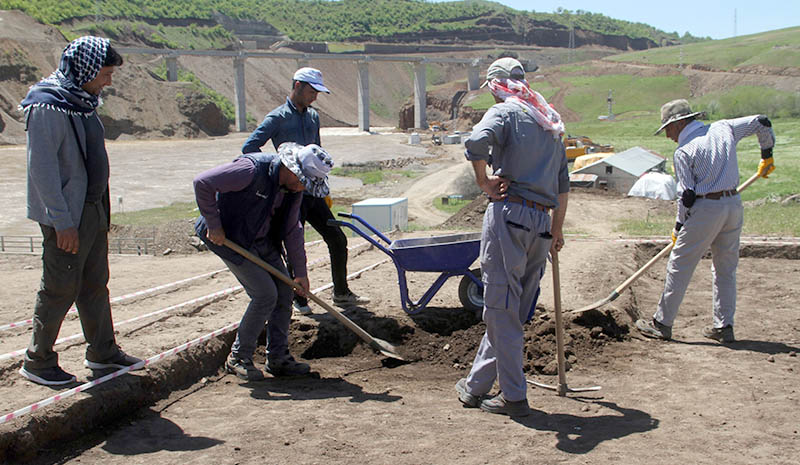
(709, 212)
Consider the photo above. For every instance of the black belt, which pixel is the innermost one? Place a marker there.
(719, 195)
(527, 203)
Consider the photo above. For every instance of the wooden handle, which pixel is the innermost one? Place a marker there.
(666, 250)
(562, 375)
(278, 274)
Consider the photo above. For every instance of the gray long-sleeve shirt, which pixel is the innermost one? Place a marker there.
(57, 171)
(518, 149)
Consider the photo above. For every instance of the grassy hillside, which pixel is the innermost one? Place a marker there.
(776, 49)
(637, 101)
(301, 19)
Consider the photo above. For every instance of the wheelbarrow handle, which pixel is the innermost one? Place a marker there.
(361, 233)
(366, 225)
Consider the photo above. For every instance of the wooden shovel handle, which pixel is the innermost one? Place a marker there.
(666, 250)
(278, 274)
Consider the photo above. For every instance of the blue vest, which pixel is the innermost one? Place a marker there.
(243, 212)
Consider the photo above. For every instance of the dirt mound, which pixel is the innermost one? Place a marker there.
(171, 237)
(469, 217)
(204, 113)
(110, 402)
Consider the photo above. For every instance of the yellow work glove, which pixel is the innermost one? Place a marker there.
(678, 226)
(328, 201)
(765, 167)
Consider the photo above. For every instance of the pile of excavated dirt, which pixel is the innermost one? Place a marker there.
(174, 236)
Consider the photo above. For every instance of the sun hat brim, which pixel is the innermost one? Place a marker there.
(676, 118)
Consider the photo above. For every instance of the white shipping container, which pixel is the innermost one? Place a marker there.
(383, 214)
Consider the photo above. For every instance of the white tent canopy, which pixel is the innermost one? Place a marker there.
(655, 186)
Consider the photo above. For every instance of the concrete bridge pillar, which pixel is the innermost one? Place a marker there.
(420, 96)
(363, 96)
(239, 94)
(302, 63)
(172, 68)
(473, 77)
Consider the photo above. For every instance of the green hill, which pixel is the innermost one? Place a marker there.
(320, 20)
(774, 49)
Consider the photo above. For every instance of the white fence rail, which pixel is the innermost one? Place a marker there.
(116, 245)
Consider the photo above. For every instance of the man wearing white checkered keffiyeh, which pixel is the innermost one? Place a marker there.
(66, 88)
(68, 196)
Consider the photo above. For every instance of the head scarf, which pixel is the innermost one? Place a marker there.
(518, 92)
(311, 164)
(80, 62)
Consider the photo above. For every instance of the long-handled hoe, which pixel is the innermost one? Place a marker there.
(562, 387)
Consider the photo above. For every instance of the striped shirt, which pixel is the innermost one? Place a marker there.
(705, 160)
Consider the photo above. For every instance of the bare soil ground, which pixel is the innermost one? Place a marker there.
(686, 401)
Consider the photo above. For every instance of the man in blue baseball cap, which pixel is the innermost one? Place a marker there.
(297, 121)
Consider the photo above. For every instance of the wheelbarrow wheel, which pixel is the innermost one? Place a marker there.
(470, 294)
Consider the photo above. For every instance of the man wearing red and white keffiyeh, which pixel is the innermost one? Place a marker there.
(519, 140)
(519, 92)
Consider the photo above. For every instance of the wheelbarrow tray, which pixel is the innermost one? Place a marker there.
(452, 252)
(449, 255)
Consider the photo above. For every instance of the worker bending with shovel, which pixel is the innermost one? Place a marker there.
(520, 137)
(254, 201)
(709, 212)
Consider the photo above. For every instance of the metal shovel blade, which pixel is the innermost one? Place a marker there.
(378, 344)
(597, 304)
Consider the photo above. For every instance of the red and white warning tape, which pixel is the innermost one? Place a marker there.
(156, 358)
(83, 387)
(124, 297)
(153, 290)
(746, 240)
(327, 258)
(351, 275)
(209, 297)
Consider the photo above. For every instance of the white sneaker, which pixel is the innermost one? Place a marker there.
(302, 309)
(350, 298)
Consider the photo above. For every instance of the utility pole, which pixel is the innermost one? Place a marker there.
(734, 22)
(571, 41)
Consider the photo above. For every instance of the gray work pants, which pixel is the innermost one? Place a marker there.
(711, 223)
(80, 278)
(513, 257)
(270, 304)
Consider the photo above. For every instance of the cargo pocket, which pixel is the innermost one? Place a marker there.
(496, 296)
(60, 272)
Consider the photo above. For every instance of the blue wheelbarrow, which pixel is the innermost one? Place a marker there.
(450, 255)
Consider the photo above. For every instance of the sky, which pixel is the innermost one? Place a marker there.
(701, 18)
